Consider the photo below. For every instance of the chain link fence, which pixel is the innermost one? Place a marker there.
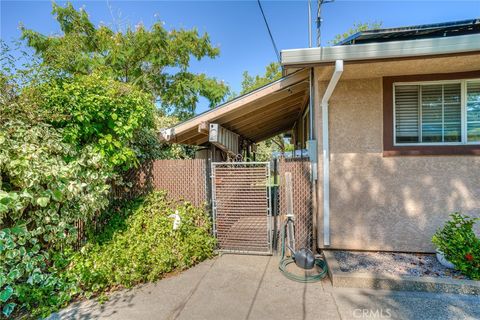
(186, 180)
(183, 180)
(302, 199)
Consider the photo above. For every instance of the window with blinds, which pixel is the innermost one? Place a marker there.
(433, 113)
(407, 115)
(473, 111)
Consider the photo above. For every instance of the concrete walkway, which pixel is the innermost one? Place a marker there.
(251, 287)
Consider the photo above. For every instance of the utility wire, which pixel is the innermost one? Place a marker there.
(269, 32)
(319, 18)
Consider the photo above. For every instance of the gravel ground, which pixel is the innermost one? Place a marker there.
(411, 264)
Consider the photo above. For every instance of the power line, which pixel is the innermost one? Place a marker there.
(319, 18)
(269, 32)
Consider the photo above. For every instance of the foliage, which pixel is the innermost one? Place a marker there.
(48, 292)
(46, 185)
(43, 176)
(139, 244)
(172, 150)
(266, 148)
(457, 240)
(272, 72)
(16, 73)
(67, 124)
(117, 119)
(157, 60)
(357, 27)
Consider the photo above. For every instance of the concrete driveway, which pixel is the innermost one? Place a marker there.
(251, 287)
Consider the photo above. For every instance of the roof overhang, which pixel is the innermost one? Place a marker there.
(255, 116)
(385, 50)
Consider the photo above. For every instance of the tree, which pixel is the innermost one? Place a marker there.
(357, 27)
(157, 60)
(272, 72)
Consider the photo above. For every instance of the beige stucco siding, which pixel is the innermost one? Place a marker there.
(386, 203)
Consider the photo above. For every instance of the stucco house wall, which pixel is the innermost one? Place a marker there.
(385, 203)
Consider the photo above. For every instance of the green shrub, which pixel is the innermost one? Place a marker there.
(63, 138)
(139, 244)
(460, 245)
(46, 186)
(114, 117)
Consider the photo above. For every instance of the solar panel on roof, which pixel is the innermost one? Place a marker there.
(438, 30)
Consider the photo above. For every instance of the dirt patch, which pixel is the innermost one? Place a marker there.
(401, 264)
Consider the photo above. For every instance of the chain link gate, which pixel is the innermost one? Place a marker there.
(242, 219)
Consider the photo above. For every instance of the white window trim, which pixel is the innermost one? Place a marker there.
(463, 108)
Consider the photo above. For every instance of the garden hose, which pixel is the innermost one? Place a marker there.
(285, 261)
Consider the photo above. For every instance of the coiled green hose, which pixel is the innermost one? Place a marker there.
(285, 261)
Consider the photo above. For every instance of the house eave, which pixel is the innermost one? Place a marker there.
(385, 50)
(264, 112)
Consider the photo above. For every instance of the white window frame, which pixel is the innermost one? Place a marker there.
(463, 108)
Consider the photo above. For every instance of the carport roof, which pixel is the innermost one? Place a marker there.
(256, 116)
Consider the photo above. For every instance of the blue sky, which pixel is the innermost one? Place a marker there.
(237, 27)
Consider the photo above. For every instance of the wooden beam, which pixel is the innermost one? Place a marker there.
(192, 132)
(264, 114)
(204, 128)
(265, 102)
(194, 139)
(260, 123)
(304, 105)
(288, 119)
(272, 134)
(249, 127)
(270, 107)
(280, 85)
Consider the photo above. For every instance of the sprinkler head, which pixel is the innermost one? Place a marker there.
(304, 258)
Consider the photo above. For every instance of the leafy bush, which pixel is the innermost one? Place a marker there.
(457, 240)
(116, 118)
(62, 138)
(139, 244)
(46, 186)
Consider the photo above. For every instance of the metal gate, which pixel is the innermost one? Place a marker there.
(241, 206)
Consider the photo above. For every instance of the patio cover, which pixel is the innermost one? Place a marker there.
(256, 116)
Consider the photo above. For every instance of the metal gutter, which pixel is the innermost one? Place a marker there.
(393, 49)
(337, 73)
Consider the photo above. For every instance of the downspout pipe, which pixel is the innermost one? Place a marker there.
(337, 73)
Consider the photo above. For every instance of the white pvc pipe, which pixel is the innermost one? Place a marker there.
(326, 150)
